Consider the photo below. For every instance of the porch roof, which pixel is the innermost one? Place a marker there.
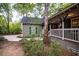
(51, 17)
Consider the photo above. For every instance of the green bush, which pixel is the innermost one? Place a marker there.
(15, 28)
(3, 27)
(36, 48)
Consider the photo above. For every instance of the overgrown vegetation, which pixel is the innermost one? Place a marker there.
(36, 48)
(14, 28)
(3, 26)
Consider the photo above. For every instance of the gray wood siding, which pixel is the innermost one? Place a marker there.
(25, 30)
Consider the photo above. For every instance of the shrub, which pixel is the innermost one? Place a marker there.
(15, 28)
(36, 48)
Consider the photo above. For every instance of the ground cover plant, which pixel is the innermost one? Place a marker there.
(36, 48)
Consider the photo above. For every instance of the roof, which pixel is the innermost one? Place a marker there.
(31, 20)
(62, 11)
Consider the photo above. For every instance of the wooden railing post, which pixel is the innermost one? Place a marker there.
(63, 29)
(50, 29)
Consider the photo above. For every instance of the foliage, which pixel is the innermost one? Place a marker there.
(23, 8)
(3, 27)
(64, 5)
(15, 28)
(57, 7)
(38, 8)
(5, 9)
(36, 48)
(29, 9)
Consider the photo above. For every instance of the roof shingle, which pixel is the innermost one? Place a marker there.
(31, 20)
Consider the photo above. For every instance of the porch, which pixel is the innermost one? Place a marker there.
(65, 31)
(70, 34)
(63, 28)
(65, 24)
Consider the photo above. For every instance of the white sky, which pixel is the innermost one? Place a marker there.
(16, 16)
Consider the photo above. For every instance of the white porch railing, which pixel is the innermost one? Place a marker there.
(71, 34)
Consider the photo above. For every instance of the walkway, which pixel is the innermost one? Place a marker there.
(12, 37)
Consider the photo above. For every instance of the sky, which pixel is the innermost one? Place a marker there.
(16, 16)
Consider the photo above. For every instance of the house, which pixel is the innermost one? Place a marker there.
(64, 27)
(31, 26)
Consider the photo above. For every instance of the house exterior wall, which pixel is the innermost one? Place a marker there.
(26, 30)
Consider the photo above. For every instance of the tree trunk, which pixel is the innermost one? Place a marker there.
(8, 18)
(46, 40)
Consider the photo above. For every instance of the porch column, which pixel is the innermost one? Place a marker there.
(50, 30)
(62, 29)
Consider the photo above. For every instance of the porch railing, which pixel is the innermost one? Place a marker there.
(68, 34)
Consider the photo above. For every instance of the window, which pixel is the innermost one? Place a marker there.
(75, 23)
(36, 30)
(29, 30)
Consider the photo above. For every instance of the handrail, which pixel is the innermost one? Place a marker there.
(67, 29)
(71, 34)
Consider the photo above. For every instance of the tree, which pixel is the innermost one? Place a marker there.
(57, 7)
(24, 8)
(3, 27)
(5, 9)
(38, 10)
(46, 40)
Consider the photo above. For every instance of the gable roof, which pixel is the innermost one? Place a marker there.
(62, 11)
(31, 20)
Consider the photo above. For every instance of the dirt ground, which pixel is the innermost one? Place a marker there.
(11, 49)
